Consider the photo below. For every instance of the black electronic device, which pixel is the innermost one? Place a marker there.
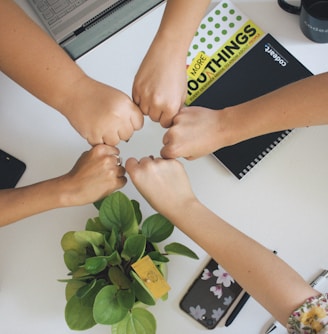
(11, 170)
(212, 296)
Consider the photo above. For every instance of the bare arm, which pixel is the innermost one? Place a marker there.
(94, 176)
(165, 185)
(160, 85)
(30, 57)
(300, 104)
(100, 113)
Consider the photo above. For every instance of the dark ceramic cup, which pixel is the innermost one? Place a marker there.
(313, 18)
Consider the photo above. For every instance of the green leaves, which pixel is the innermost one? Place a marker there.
(107, 309)
(79, 311)
(179, 249)
(95, 239)
(118, 278)
(103, 289)
(74, 252)
(126, 298)
(71, 288)
(72, 259)
(138, 321)
(134, 247)
(95, 265)
(157, 228)
(117, 212)
(142, 292)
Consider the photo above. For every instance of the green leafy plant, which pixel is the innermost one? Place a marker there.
(103, 287)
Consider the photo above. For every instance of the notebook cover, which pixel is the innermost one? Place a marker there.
(223, 37)
(258, 72)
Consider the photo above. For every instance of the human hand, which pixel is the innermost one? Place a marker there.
(163, 183)
(160, 86)
(96, 174)
(102, 114)
(196, 131)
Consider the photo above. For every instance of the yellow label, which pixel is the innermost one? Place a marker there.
(198, 65)
(151, 276)
(223, 59)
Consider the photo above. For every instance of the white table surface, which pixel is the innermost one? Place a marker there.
(282, 203)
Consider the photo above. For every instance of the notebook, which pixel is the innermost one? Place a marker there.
(255, 74)
(240, 73)
(80, 25)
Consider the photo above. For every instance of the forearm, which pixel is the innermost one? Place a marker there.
(266, 277)
(180, 21)
(297, 105)
(32, 59)
(19, 203)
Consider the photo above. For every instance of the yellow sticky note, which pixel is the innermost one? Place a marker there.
(151, 276)
(198, 65)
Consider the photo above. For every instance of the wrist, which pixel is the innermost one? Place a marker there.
(62, 193)
(172, 43)
(181, 210)
(68, 99)
(228, 127)
(236, 125)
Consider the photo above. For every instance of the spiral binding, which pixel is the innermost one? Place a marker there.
(265, 152)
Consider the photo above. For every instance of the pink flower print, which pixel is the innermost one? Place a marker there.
(206, 275)
(223, 277)
(197, 312)
(217, 290)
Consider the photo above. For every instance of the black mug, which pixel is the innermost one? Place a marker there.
(313, 18)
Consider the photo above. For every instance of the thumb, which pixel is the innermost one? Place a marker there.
(130, 164)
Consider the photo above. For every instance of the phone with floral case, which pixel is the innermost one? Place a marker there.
(212, 296)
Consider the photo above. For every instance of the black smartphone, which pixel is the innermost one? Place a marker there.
(11, 170)
(212, 296)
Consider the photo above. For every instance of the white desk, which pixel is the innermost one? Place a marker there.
(282, 203)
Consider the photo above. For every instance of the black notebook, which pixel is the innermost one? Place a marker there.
(257, 72)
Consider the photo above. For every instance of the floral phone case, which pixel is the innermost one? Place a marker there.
(210, 297)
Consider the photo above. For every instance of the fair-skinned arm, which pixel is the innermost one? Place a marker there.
(268, 279)
(300, 104)
(160, 86)
(94, 176)
(100, 113)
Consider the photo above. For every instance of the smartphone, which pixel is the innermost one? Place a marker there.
(212, 296)
(11, 170)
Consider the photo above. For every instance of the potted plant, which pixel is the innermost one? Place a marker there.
(105, 286)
